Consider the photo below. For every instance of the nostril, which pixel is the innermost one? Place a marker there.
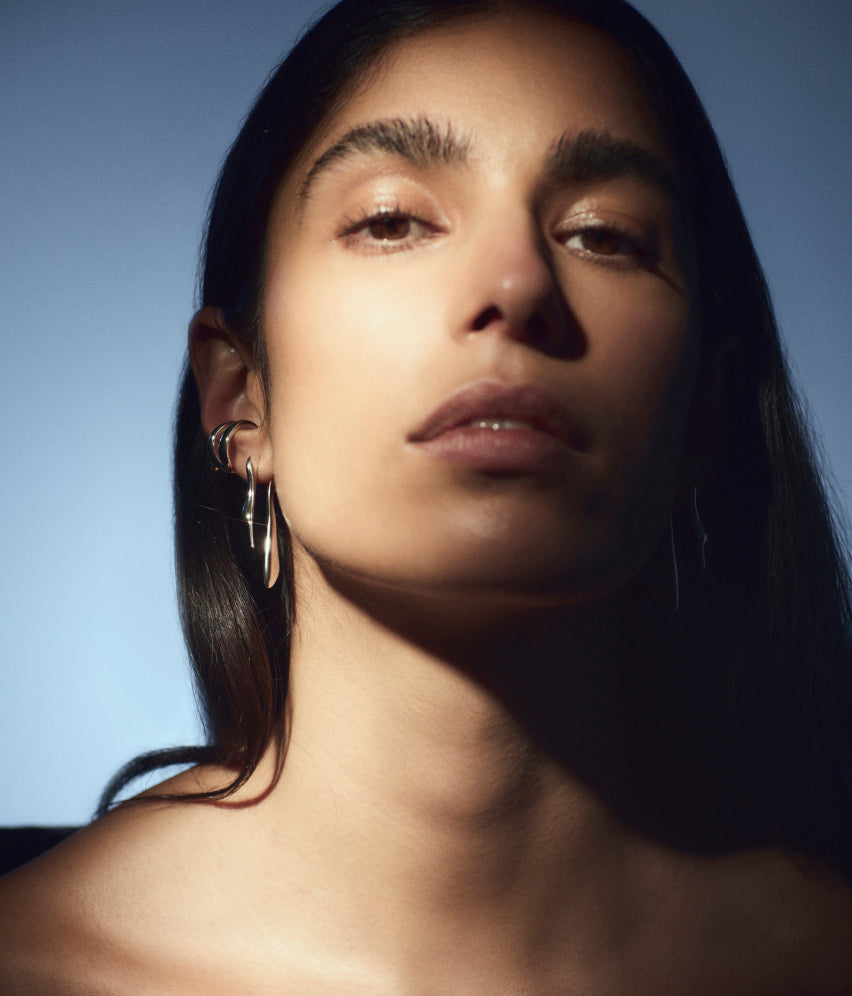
(554, 332)
(485, 318)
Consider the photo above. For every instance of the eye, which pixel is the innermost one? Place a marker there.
(388, 230)
(604, 242)
(621, 243)
(607, 242)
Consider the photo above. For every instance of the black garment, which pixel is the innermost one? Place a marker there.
(21, 844)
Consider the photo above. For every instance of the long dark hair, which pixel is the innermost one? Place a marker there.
(764, 637)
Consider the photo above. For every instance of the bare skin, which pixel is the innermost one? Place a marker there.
(455, 809)
(427, 861)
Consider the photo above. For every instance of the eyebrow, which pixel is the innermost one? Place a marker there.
(576, 157)
(418, 141)
(590, 155)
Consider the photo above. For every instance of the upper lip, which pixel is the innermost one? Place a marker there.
(493, 400)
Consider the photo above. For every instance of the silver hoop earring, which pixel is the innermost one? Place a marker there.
(258, 509)
(702, 536)
(700, 531)
(676, 580)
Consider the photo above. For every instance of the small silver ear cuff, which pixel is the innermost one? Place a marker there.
(218, 442)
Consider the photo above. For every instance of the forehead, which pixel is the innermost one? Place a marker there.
(518, 79)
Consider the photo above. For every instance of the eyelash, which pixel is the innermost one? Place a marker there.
(632, 254)
(354, 227)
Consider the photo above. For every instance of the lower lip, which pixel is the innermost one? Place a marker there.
(512, 451)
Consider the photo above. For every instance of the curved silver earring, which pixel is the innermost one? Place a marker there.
(258, 509)
(263, 498)
(218, 442)
(701, 532)
(702, 536)
(676, 580)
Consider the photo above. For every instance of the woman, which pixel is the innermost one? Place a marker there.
(535, 679)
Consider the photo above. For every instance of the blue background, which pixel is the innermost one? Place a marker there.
(114, 120)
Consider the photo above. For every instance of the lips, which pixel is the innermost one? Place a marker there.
(500, 429)
(486, 404)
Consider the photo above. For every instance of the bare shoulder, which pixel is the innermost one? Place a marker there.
(819, 903)
(115, 895)
(780, 918)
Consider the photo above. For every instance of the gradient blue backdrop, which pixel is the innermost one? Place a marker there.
(114, 118)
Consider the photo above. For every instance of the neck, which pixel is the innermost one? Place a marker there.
(459, 760)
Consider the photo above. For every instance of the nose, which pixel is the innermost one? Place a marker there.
(514, 290)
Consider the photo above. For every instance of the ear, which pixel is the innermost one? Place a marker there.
(229, 388)
(707, 432)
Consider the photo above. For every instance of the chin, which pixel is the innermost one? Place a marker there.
(510, 573)
(527, 552)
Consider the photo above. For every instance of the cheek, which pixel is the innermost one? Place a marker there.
(338, 379)
(642, 352)
(644, 374)
(330, 328)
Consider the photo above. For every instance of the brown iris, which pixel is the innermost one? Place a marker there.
(390, 227)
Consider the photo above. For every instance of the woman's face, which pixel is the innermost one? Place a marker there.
(478, 318)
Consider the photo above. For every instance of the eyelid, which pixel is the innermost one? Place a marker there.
(376, 191)
(386, 195)
(601, 217)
